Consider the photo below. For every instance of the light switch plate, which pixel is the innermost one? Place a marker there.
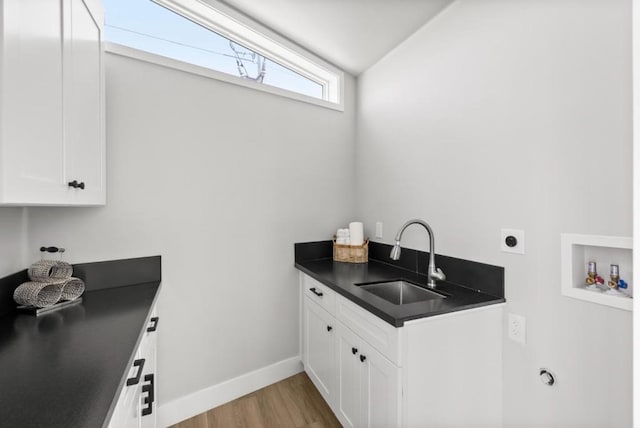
(379, 229)
(518, 234)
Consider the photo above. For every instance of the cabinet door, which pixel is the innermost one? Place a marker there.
(127, 411)
(320, 345)
(84, 101)
(131, 411)
(31, 102)
(380, 388)
(349, 373)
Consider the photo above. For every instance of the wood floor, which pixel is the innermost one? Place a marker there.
(291, 403)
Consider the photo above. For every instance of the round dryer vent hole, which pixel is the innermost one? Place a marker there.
(547, 377)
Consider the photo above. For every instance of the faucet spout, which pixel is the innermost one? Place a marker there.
(434, 273)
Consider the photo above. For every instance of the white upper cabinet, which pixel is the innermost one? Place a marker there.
(84, 95)
(51, 103)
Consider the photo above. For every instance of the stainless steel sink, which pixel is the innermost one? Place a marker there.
(400, 292)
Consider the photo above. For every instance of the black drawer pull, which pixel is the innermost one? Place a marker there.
(362, 358)
(151, 396)
(140, 365)
(316, 292)
(329, 328)
(76, 185)
(154, 326)
(354, 351)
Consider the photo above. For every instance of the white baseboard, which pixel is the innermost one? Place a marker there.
(200, 401)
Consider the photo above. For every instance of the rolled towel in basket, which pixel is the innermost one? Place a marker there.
(50, 271)
(72, 289)
(38, 294)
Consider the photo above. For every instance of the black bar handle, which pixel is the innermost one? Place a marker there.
(149, 388)
(362, 358)
(329, 328)
(151, 396)
(354, 351)
(154, 326)
(316, 292)
(51, 250)
(136, 379)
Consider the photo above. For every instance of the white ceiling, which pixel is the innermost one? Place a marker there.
(352, 34)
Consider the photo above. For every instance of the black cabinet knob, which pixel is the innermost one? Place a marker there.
(362, 358)
(52, 249)
(81, 185)
(329, 328)
(354, 351)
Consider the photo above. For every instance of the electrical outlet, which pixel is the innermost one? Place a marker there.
(379, 229)
(517, 327)
(512, 241)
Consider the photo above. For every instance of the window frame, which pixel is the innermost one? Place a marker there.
(227, 22)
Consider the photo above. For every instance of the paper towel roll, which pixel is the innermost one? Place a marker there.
(356, 233)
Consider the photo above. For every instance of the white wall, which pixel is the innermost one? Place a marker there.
(221, 181)
(515, 113)
(13, 223)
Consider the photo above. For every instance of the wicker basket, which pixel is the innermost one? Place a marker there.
(351, 253)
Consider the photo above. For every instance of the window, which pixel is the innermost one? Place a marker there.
(195, 33)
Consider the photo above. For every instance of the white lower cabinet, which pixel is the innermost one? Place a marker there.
(126, 414)
(148, 348)
(358, 382)
(348, 395)
(380, 390)
(319, 333)
(136, 406)
(368, 384)
(441, 371)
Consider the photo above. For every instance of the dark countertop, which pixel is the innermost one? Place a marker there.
(341, 277)
(66, 368)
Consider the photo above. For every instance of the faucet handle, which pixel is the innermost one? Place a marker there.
(438, 275)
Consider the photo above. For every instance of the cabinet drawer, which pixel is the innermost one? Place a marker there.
(382, 336)
(319, 293)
